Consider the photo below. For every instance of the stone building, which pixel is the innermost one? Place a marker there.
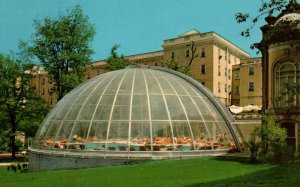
(246, 83)
(280, 49)
(213, 56)
(213, 59)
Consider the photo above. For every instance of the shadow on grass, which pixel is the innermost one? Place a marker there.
(275, 176)
(235, 158)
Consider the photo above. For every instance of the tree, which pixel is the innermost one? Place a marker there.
(267, 8)
(19, 102)
(116, 62)
(272, 135)
(62, 45)
(185, 69)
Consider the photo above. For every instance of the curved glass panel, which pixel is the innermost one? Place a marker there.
(137, 109)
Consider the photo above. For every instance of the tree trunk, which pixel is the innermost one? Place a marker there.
(13, 135)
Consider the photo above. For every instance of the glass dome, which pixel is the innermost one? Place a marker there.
(138, 109)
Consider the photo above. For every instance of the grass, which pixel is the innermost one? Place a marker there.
(220, 171)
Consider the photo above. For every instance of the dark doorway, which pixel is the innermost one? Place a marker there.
(291, 134)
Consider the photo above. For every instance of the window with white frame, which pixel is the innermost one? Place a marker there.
(202, 52)
(251, 70)
(287, 83)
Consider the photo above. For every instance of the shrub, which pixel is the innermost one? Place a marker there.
(273, 137)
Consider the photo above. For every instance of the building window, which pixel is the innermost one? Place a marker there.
(202, 52)
(229, 73)
(172, 56)
(219, 87)
(286, 83)
(202, 69)
(237, 90)
(43, 91)
(187, 53)
(237, 75)
(225, 72)
(251, 86)
(229, 88)
(43, 81)
(251, 71)
(219, 70)
(225, 87)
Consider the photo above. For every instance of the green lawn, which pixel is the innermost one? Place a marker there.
(187, 172)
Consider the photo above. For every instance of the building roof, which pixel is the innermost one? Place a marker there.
(189, 33)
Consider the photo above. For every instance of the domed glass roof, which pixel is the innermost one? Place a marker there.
(138, 109)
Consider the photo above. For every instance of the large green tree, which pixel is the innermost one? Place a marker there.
(62, 45)
(21, 108)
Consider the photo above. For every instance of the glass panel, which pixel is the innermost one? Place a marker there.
(123, 100)
(107, 100)
(120, 113)
(182, 136)
(102, 113)
(126, 85)
(139, 100)
(118, 132)
(140, 136)
(167, 89)
(162, 136)
(97, 136)
(178, 86)
(215, 134)
(65, 131)
(139, 83)
(225, 138)
(158, 108)
(191, 109)
(61, 109)
(43, 133)
(113, 85)
(87, 112)
(49, 139)
(205, 110)
(72, 115)
(153, 87)
(175, 108)
(80, 131)
(140, 113)
(202, 137)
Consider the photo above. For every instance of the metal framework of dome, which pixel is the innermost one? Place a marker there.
(138, 111)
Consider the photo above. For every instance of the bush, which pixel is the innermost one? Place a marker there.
(15, 167)
(273, 138)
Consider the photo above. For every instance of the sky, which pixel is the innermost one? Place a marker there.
(138, 26)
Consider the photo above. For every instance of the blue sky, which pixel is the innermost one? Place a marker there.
(139, 26)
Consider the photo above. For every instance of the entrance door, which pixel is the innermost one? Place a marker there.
(291, 134)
